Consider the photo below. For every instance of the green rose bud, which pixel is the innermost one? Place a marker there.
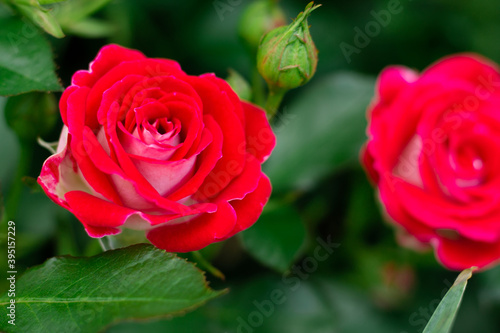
(39, 15)
(259, 18)
(287, 57)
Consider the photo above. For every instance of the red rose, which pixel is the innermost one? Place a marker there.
(146, 146)
(434, 154)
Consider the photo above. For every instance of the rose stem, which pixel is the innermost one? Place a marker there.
(103, 243)
(273, 102)
(207, 265)
(257, 88)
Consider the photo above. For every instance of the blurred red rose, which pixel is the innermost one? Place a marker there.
(434, 154)
(146, 146)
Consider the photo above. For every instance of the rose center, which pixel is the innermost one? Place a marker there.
(467, 164)
(162, 126)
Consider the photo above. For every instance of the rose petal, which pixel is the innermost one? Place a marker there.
(197, 233)
(168, 176)
(260, 139)
(50, 177)
(133, 180)
(99, 232)
(206, 161)
(218, 105)
(467, 67)
(392, 81)
(369, 163)
(240, 186)
(76, 125)
(145, 67)
(250, 207)
(443, 214)
(108, 57)
(461, 253)
(235, 100)
(86, 206)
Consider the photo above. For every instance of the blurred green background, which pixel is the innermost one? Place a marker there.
(368, 283)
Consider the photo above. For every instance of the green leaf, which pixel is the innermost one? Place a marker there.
(321, 131)
(40, 16)
(48, 2)
(76, 10)
(68, 294)
(442, 319)
(277, 238)
(50, 146)
(25, 59)
(280, 304)
(91, 28)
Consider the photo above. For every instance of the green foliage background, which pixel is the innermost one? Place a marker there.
(369, 283)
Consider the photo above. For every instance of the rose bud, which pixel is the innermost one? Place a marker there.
(146, 146)
(287, 57)
(433, 153)
(259, 18)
